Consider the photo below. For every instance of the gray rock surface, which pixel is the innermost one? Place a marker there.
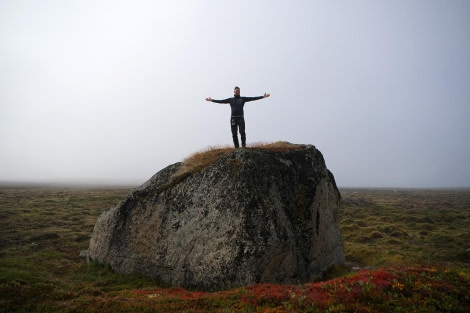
(253, 216)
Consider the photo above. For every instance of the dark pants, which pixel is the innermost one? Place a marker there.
(238, 123)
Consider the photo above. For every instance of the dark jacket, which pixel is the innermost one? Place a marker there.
(237, 103)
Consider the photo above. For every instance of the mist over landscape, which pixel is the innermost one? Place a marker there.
(121, 190)
(111, 92)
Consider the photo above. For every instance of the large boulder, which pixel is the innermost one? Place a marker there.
(252, 216)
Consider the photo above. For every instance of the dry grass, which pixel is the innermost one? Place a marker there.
(42, 231)
(406, 227)
(201, 159)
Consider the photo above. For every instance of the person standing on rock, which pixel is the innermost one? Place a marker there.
(237, 120)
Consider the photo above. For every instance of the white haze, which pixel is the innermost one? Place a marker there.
(113, 91)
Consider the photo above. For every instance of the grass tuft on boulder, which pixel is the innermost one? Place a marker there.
(201, 159)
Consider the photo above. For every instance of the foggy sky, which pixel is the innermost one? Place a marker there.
(113, 91)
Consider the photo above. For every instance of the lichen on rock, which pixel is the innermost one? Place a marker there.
(247, 216)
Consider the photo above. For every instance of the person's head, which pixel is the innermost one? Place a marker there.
(236, 91)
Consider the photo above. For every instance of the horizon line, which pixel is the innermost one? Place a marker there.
(134, 183)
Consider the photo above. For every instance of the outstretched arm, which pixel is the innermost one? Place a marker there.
(247, 99)
(218, 101)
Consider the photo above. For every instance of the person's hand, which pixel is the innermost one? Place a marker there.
(209, 99)
(266, 95)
